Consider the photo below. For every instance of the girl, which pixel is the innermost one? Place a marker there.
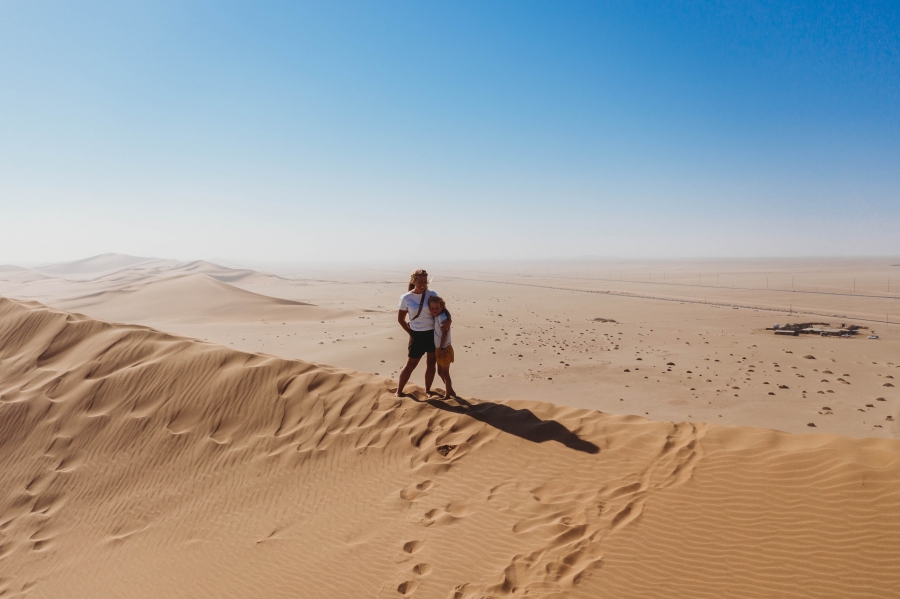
(443, 348)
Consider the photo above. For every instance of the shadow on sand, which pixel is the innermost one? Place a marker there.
(521, 423)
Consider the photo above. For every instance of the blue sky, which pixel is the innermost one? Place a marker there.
(355, 131)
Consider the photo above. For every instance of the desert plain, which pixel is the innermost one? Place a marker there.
(625, 429)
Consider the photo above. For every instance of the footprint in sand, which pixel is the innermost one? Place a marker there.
(407, 587)
(422, 569)
(58, 447)
(43, 539)
(411, 547)
(416, 490)
(71, 463)
(47, 505)
(448, 514)
(40, 483)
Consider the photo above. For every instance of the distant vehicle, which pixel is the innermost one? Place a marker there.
(873, 336)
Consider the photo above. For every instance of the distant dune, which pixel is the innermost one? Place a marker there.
(141, 464)
(189, 298)
(121, 269)
(223, 273)
(94, 264)
(17, 274)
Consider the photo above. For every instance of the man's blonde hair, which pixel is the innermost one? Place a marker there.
(412, 279)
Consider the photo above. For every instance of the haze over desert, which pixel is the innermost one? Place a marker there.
(454, 300)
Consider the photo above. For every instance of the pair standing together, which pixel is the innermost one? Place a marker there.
(424, 316)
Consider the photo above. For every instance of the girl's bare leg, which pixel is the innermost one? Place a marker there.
(444, 372)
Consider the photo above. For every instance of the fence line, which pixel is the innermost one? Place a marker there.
(698, 285)
(789, 310)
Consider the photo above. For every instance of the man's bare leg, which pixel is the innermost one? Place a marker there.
(429, 371)
(407, 372)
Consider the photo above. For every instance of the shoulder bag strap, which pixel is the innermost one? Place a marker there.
(422, 303)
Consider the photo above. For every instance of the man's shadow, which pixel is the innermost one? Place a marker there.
(521, 423)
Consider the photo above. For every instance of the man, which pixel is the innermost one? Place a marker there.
(419, 327)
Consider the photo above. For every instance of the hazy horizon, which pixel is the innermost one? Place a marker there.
(122, 260)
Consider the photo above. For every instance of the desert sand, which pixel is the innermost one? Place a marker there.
(521, 334)
(189, 430)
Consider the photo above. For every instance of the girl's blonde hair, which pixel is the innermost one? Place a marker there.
(438, 300)
(412, 279)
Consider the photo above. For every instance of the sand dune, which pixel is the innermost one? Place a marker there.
(223, 273)
(140, 464)
(19, 275)
(96, 264)
(193, 298)
(113, 271)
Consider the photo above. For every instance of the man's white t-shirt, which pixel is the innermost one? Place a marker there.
(441, 319)
(410, 302)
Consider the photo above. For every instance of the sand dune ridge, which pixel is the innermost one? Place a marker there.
(140, 464)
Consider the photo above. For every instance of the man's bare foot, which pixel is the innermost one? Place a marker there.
(399, 393)
(430, 393)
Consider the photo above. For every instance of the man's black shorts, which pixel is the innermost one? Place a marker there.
(422, 343)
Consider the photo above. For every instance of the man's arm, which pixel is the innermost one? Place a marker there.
(401, 318)
(444, 328)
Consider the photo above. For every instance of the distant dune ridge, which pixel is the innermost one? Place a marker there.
(142, 464)
(107, 265)
(17, 274)
(194, 297)
(96, 264)
(222, 273)
(126, 288)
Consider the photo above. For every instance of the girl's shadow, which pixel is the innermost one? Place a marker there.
(521, 423)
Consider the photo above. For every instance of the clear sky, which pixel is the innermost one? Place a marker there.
(380, 130)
